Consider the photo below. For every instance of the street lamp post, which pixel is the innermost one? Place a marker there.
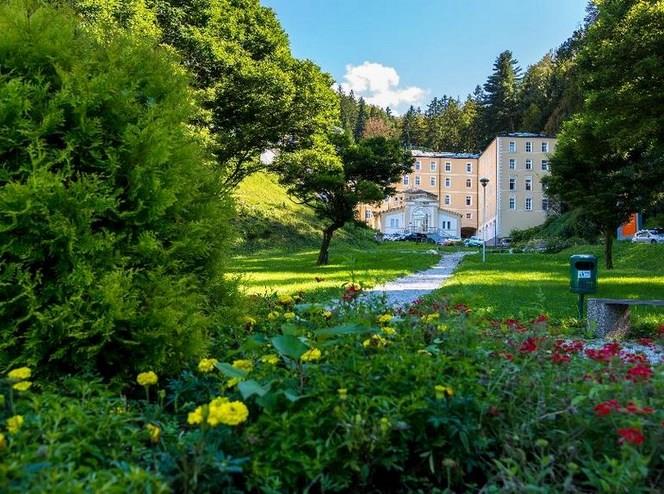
(484, 181)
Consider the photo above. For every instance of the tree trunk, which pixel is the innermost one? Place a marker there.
(608, 248)
(323, 254)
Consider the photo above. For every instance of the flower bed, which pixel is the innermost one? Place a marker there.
(355, 399)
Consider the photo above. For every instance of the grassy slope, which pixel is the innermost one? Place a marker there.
(526, 284)
(269, 218)
(280, 246)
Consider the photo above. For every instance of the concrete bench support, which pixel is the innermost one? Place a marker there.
(610, 317)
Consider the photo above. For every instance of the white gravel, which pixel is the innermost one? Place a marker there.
(406, 290)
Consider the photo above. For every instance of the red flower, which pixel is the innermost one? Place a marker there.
(560, 358)
(645, 342)
(569, 346)
(515, 325)
(542, 318)
(647, 410)
(529, 345)
(604, 354)
(630, 435)
(606, 407)
(633, 358)
(632, 408)
(640, 372)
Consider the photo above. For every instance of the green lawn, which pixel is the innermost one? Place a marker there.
(288, 271)
(522, 285)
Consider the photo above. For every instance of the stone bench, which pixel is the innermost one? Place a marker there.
(610, 317)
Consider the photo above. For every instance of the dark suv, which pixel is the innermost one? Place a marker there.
(418, 237)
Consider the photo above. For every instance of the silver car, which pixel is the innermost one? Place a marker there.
(654, 236)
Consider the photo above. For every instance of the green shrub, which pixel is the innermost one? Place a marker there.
(112, 228)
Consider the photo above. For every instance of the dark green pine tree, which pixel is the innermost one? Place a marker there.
(348, 109)
(361, 121)
(408, 123)
(501, 103)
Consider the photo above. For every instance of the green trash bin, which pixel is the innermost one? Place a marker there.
(583, 273)
(582, 277)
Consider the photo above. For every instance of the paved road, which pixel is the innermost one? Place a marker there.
(406, 290)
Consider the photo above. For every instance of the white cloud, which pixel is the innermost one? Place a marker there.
(379, 85)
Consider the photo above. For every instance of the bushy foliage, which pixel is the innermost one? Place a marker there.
(111, 224)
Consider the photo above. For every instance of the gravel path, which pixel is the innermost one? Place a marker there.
(406, 290)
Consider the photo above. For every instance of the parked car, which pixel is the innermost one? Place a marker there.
(652, 236)
(473, 242)
(418, 237)
(450, 241)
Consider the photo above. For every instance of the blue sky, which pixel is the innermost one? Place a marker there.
(399, 52)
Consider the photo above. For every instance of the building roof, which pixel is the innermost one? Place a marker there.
(418, 191)
(443, 154)
(525, 134)
(400, 208)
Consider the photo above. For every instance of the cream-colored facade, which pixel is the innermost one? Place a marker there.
(514, 164)
(450, 177)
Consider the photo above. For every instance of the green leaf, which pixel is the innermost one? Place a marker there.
(289, 346)
(230, 371)
(250, 388)
(344, 329)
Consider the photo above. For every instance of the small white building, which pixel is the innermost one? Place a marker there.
(418, 212)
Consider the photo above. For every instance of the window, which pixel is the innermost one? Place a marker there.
(469, 183)
(545, 165)
(432, 181)
(529, 147)
(529, 184)
(512, 164)
(447, 225)
(529, 164)
(433, 166)
(405, 179)
(469, 168)
(394, 222)
(448, 199)
(448, 166)
(418, 165)
(512, 183)
(545, 147)
(545, 204)
(417, 180)
(512, 202)
(448, 182)
(529, 204)
(469, 215)
(469, 201)
(512, 147)
(367, 214)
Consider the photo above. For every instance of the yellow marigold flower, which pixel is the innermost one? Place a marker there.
(443, 391)
(289, 316)
(385, 318)
(154, 431)
(429, 318)
(375, 341)
(3, 441)
(389, 331)
(343, 393)
(14, 423)
(218, 401)
(248, 321)
(195, 417)
(286, 299)
(207, 365)
(273, 315)
(229, 413)
(147, 378)
(443, 328)
(327, 314)
(232, 382)
(22, 386)
(20, 374)
(311, 355)
(271, 359)
(243, 364)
